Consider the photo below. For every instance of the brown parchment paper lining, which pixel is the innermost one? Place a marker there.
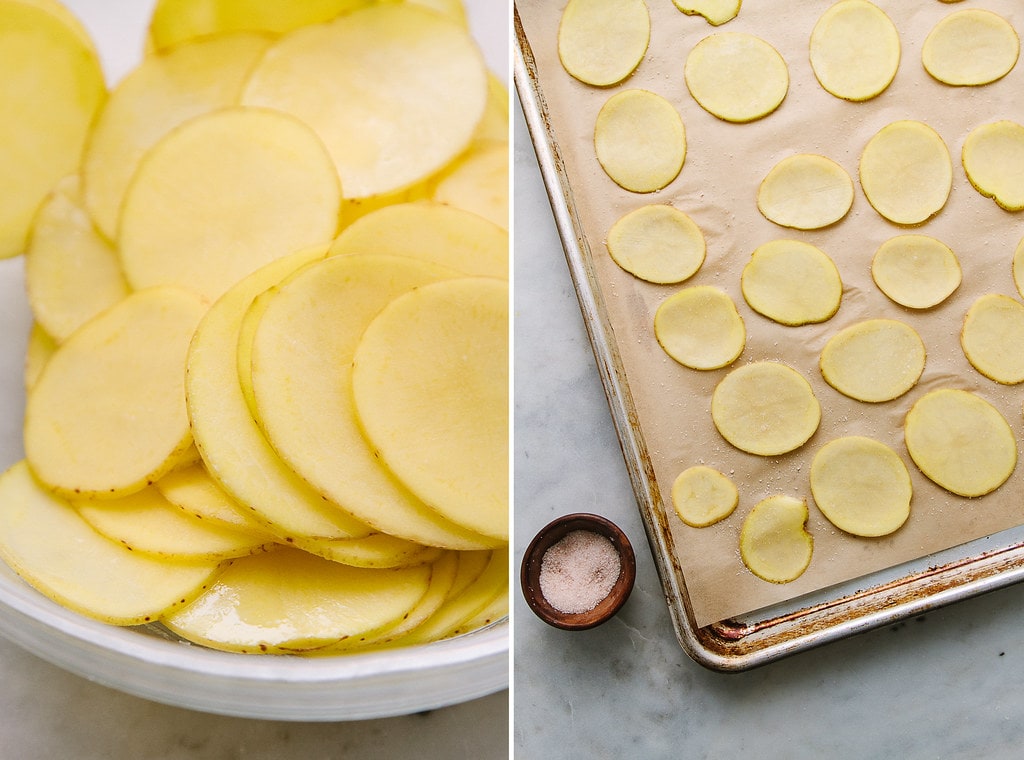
(717, 188)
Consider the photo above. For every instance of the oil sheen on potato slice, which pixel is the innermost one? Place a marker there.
(792, 282)
(805, 192)
(874, 360)
(736, 76)
(774, 544)
(601, 42)
(703, 496)
(993, 157)
(916, 271)
(657, 243)
(971, 47)
(855, 50)
(700, 328)
(716, 12)
(991, 337)
(640, 140)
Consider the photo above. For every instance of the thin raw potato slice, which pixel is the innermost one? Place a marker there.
(792, 283)
(906, 172)
(960, 441)
(861, 486)
(805, 192)
(916, 271)
(40, 348)
(774, 544)
(224, 194)
(48, 544)
(1018, 267)
(992, 336)
(855, 50)
(715, 12)
(993, 157)
(736, 76)
(477, 181)
(970, 47)
(430, 383)
(601, 42)
(640, 140)
(192, 490)
(703, 496)
(107, 416)
(875, 360)
(657, 243)
(406, 90)
(700, 328)
(765, 408)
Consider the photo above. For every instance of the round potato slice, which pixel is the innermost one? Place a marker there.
(703, 496)
(916, 271)
(192, 490)
(805, 192)
(993, 158)
(792, 282)
(855, 50)
(430, 384)
(861, 486)
(774, 544)
(657, 243)
(970, 47)
(601, 42)
(991, 337)
(640, 140)
(906, 172)
(736, 76)
(960, 441)
(700, 328)
(477, 181)
(765, 408)
(873, 361)
(715, 12)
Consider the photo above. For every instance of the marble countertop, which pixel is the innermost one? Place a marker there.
(943, 685)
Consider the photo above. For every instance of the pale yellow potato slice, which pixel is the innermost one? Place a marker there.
(107, 415)
(736, 76)
(224, 194)
(906, 172)
(960, 441)
(376, 550)
(394, 69)
(855, 50)
(765, 408)
(47, 543)
(71, 272)
(430, 385)
(1017, 267)
(40, 348)
(601, 42)
(192, 490)
(916, 271)
(477, 181)
(805, 192)
(703, 496)
(792, 282)
(874, 360)
(291, 601)
(992, 336)
(700, 328)
(493, 124)
(715, 12)
(61, 11)
(970, 47)
(495, 610)
(993, 158)
(640, 140)
(861, 486)
(51, 87)
(657, 243)
(774, 544)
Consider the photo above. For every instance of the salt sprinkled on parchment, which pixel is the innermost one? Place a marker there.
(579, 571)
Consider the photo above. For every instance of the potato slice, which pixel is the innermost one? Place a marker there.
(657, 243)
(430, 384)
(916, 271)
(906, 172)
(376, 550)
(991, 337)
(107, 416)
(700, 328)
(861, 486)
(960, 441)
(765, 408)
(805, 192)
(993, 158)
(640, 140)
(792, 283)
(703, 496)
(970, 47)
(48, 544)
(1017, 267)
(715, 12)
(51, 87)
(477, 181)
(192, 490)
(736, 76)
(254, 185)
(40, 348)
(601, 42)
(875, 360)
(774, 544)
(855, 50)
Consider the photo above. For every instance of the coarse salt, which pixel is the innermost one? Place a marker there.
(579, 571)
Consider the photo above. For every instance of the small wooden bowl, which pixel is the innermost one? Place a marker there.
(551, 534)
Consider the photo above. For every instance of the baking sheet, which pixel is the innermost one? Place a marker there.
(724, 165)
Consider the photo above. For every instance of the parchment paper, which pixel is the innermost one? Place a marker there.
(717, 187)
